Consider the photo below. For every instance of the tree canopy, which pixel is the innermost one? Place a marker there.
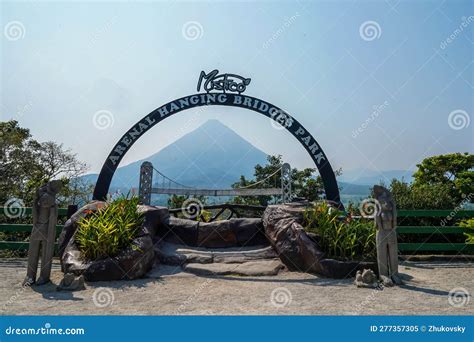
(441, 182)
(304, 183)
(26, 164)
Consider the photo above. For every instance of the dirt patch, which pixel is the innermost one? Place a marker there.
(169, 291)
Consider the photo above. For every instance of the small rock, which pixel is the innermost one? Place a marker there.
(366, 278)
(386, 281)
(71, 283)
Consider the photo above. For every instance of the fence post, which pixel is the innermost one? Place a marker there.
(146, 179)
(286, 183)
(71, 209)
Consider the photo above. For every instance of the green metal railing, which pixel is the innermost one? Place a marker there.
(403, 247)
(434, 230)
(23, 228)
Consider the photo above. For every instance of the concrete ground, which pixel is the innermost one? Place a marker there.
(169, 291)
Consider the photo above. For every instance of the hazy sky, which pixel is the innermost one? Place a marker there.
(329, 64)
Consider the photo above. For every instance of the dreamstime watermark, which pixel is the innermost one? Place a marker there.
(458, 119)
(369, 298)
(46, 330)
(286, 24)
(17, 294)
(192, 30)
(14, 208)
(459, 297)
(103, 119)
(467, 199)
(102, 30)
(377, 110)
(280, 119)
(189, 123)
(14, 30)
(193, 296)
(25, 109)
(281, 297)
(369, 208)
(370, 30)
(103, 297)
(191, 208)
(465, 22)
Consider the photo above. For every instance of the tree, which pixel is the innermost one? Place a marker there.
(304, 183)
(441, 182)
(455, 170)
(26, 164)
(422, 196)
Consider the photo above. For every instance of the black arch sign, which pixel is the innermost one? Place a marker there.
(220, 99)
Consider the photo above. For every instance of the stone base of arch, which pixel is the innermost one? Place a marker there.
(277, 238)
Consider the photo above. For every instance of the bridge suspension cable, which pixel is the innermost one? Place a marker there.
(146, 186)
(172, 180)
(261, 181)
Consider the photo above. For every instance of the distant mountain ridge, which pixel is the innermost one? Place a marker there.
(366, 176)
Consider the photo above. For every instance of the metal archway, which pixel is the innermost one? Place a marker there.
(220, 99)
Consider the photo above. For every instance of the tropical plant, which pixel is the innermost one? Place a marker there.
(341, 238)
(469, 223)
(107, 231)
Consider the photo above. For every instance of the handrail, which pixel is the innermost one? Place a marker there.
(454, 213)
(26, 211)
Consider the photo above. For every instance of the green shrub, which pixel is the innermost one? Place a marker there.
(469, 223)
(112, 228)
(205, 216)
(344, 239)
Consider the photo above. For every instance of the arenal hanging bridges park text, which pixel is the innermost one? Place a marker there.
(226, 82)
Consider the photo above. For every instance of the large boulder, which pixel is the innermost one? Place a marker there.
(157, 219)
(297, 250)
(283, 229)
(131, 263)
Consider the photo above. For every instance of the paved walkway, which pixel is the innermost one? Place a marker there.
(169, 292)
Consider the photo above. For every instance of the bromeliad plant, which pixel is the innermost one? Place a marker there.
(107, 231)
(469, 223)
(343, 239)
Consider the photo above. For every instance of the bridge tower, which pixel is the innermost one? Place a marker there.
(146, 181)
(285, 183)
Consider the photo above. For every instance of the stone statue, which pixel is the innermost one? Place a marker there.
(386, 238)
(43, 234)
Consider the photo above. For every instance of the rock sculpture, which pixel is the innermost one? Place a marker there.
(71, 283)
(366, 278)
(130, 263)
(43, 234)
(296, 249)
(386, 238)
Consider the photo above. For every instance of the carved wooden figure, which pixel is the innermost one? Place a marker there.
(45, 215)
(387, 246)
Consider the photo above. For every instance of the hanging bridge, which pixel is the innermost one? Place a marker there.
(152, 181)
